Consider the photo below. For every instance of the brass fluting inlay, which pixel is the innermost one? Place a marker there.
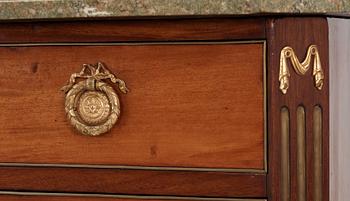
(301, 154)
(285, 169)
(92, 106)
(300, 68)
(317, 149)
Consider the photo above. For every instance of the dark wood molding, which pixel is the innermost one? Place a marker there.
(136, 182)
(133, 30)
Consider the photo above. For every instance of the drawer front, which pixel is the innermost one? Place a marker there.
(190, 105)
(133, 182)
(86, 197)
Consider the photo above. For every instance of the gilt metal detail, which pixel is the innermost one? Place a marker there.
(91, 105)
(300, 68)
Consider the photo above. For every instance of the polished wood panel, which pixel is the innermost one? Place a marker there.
(298, 33)
(63, 198)
(133, 30)
(137, 182)
(190, 105)
(108, 198)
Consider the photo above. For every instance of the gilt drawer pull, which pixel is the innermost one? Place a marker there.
(91, 105)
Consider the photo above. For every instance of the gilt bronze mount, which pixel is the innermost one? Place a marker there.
(92, 105)
(300, 68)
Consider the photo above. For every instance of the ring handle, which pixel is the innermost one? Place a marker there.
(92, 105)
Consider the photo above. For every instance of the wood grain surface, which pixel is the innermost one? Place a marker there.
(133, 30)
(190, 105)
(64, 198)
(95, 198)
(133, 182)
(298, 33)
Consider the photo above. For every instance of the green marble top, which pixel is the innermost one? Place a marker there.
(50, 9)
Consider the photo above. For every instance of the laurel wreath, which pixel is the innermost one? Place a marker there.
(71, 111)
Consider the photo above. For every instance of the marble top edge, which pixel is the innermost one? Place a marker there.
(56, 9)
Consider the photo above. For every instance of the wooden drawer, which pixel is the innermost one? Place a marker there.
(192, 124)
(82, 197)
(193, 103)
(203, 114)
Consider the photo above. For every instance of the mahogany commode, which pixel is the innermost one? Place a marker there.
(215, 110)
